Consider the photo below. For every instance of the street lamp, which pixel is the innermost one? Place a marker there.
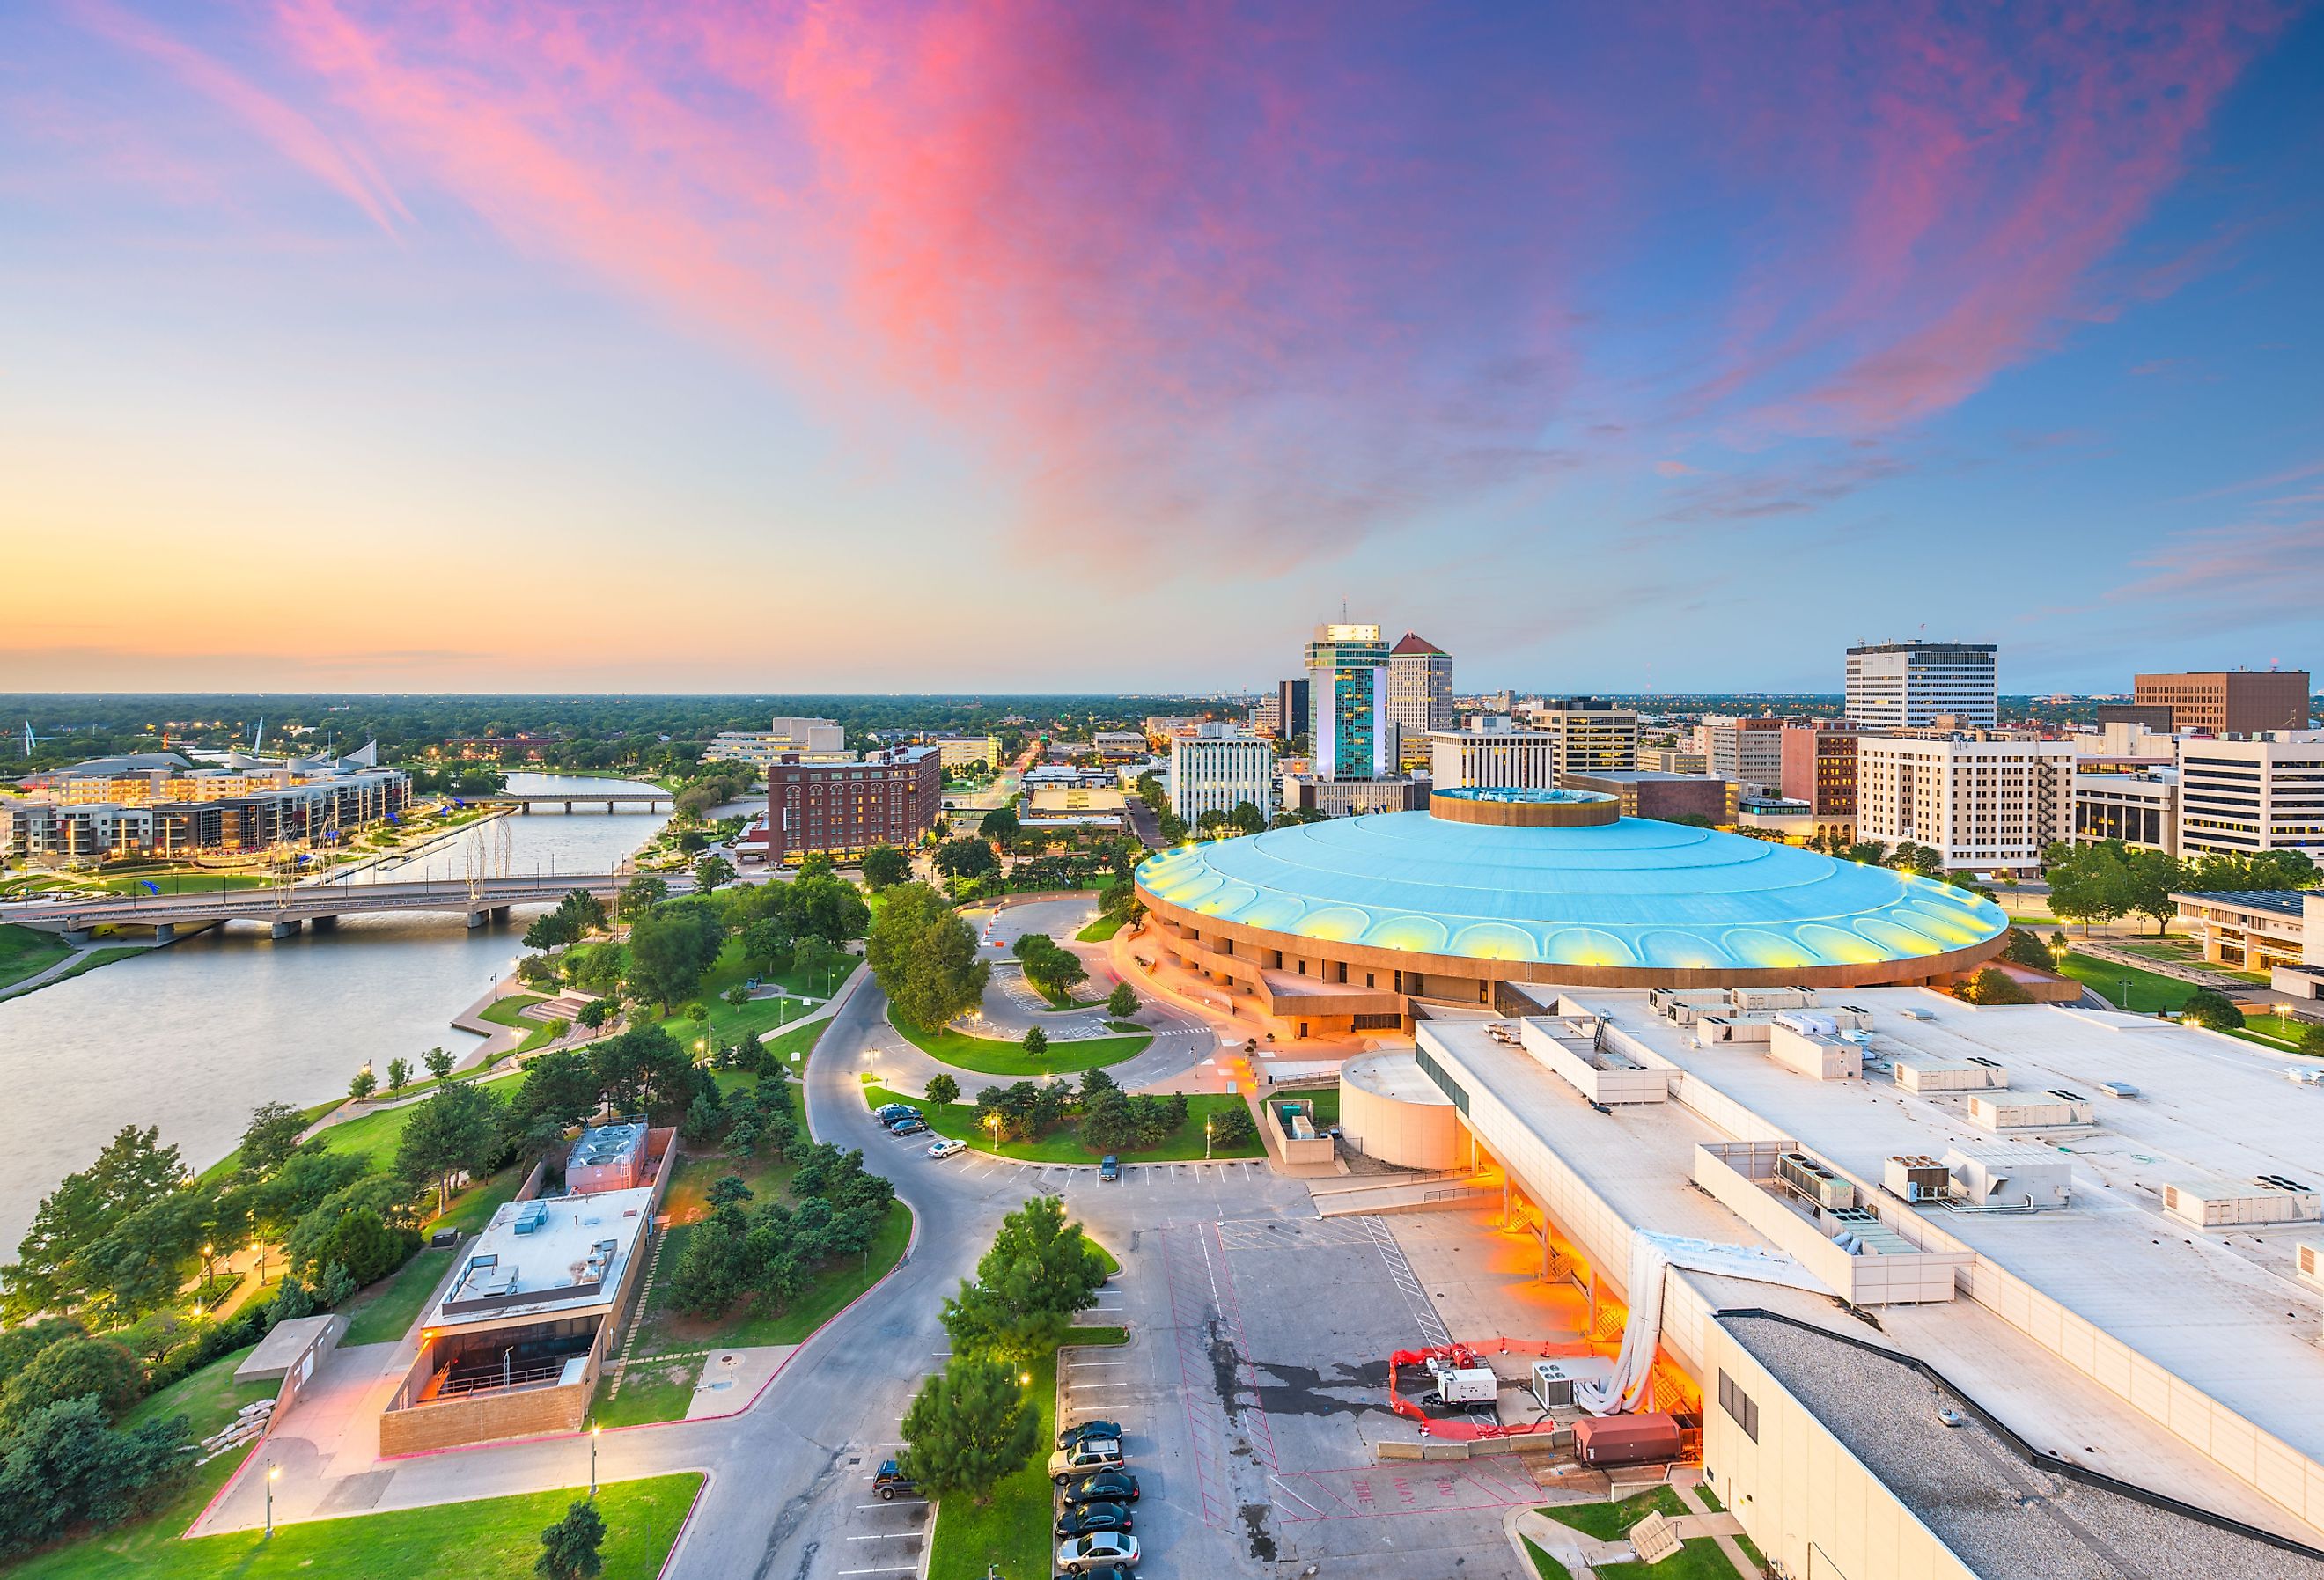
(2126, 995)
(274, 1474)
(596, 1430)
(1206, 1140)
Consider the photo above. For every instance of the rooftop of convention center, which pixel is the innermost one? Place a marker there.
(1619, 892)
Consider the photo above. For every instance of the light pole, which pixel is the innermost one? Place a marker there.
(274, 1473)
(2126, 995)
(594, 1429)
(1206, 1140)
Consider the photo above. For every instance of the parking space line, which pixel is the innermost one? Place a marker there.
(897, 1503)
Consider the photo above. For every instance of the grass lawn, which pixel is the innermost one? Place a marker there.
(2148, 991)
(760, 1016)
(233, 1160)
(493, 1539)
(650, 1392)
(1012, 1528)
(377, 1133)
(1324, 1102)
(1064, 1145)
(1612, 1521)
(387, 1310)
(1100, 930)
(510, 1012)
(27, 952)
(989, 1056)
(2279, 1030)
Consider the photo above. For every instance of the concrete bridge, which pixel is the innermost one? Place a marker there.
(645, 799)
(287, 909)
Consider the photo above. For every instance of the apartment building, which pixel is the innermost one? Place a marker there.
(1593, 736)
(812, 740)
(1982, 805)
(1673, 760)
(1903, 684)
(888, 798)
(2259, 792)
(1819, 768)
(2228, 702)
(964, 751)
(1217, 768)
(1744, 752)
(1419, 693)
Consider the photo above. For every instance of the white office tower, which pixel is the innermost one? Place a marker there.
(1419, 687)
(1905, 685)
(1218, 768)
(2242, 795)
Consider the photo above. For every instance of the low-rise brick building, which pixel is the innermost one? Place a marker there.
(842, 808)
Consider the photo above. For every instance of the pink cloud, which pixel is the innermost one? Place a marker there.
(338, 165)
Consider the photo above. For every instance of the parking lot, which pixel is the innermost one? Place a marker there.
(1253, 1389)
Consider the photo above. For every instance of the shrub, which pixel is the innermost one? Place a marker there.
(2209, 1008)
(1996, 987)
(101, 1368)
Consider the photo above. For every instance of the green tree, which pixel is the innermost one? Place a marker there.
(2026, 950)
(595, 1013)
(1246, 819)
(713, 872)
(570, 1548)
(551, 929)
(363, 1085)
(364, 1243)
(1232, 1127)
(271, 1137)
(967, 857)
(1993, 986)
(970, 1426)
(767, 945)
(925, 956)
(102, 1369)
(2210, 1008)
(672, 947)
(999, 825)
(63, 1468)
(2311, 1039)
(645, 1067)
(399, 1076)
(885, 866)
(2150, 877)
(1035, 1041)
(1039, 1272)
(2088, 883)
(1122, 1001)
(439, 1062)
(1107, 1123)
(131, 1172)
(455, 1131)
(642, 893)
(943, 1088)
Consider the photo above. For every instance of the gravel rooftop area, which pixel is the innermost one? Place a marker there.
(2003, 1518)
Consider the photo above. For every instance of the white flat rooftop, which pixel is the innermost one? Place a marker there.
(2220, 1308)
(555, 1269)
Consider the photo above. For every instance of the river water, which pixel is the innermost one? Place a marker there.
(191, 1038)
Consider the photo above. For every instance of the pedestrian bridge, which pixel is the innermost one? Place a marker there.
(635, 799)
(289, 908)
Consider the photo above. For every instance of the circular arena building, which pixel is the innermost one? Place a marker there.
(1342, 925)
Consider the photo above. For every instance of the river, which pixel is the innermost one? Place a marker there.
(192, 1037)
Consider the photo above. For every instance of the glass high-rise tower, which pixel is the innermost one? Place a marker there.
(1347, 690)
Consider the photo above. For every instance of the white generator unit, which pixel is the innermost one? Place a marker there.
(1466, 1384)
(1553, 1385)
(2009, 1109)
(2228, 1204)
(2010, 1175)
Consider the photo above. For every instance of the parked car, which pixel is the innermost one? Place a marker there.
(1080, 1519)
(1083, 1553)
(1096, 1454)
(1109, 1168)
(890, 1113)
(908, 1127)
(1107, 1486)
(892, 1484)
(947, 1146)
(1069, 1436)
(1102, 1572)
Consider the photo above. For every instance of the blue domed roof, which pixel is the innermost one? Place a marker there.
(1633, 893)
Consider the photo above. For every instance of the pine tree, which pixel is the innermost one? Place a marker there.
(970, 1426)
(568, 1548)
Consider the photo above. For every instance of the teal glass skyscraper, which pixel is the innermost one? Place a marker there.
(1347, 689)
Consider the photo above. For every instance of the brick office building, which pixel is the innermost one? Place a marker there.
(1820, 769)
(889, 798)
(2226, 702)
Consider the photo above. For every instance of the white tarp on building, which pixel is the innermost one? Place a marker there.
(1652, 1256)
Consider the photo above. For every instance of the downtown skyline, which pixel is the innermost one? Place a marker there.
(510, 349)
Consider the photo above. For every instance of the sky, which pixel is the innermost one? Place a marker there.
(390, 344)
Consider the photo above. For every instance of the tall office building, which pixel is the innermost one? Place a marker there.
(1219, 767)
(1346, 685)
(1982, 805)
(2265, 792)
(1492, 752)
(1819, 768)
(1419, 692)
(1905, 685)
(1292, 709)
(1593, 736)
(2227, 702)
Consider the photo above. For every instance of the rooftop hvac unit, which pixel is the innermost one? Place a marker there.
(1915, 1014)
(1553, 1385)
(1813, 1181)
(2227, 1203)
(2118, 1088)
(1810, 1022)
(2009, 1174)
(1772, 998)
(1852, 1017)
(2007, 1110)
(1923, 1074)
(1860, 1232)
(2308, 1262)
(1917, 1178)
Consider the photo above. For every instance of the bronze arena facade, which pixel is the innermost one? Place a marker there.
(1344, 925)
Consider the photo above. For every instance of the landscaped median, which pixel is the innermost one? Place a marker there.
(1012, 1530)
(989, 1056)
(1698, 1558)
(1186, 1143)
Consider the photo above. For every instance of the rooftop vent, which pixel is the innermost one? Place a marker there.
(1811, 1182)
(2308, 1262)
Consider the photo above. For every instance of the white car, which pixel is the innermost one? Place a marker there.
(1100, 1547)
(947, 1146)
